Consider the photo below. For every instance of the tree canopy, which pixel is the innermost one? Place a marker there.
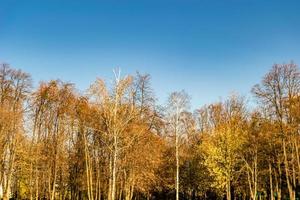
(114, 142)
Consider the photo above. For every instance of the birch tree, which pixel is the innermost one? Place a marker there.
(178, 103)
(117, 113)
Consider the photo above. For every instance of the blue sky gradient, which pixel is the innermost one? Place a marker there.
(207, 47)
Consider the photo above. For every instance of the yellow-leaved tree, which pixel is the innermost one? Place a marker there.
(223, 139)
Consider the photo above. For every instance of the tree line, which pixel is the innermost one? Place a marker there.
(114, 142)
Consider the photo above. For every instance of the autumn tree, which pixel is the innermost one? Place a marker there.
(223, 141)
(277, 93)
(114, 142)
(51, 105)
(117, 113)
(178, 103)
(14, 89)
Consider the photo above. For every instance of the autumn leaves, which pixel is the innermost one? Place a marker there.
(114, 142)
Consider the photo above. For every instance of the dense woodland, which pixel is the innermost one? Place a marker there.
(113, 142)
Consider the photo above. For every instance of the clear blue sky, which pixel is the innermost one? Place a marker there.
(207, 47)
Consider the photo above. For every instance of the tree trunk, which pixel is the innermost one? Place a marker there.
(271, 181)
(110, 178)
(228, 190)
(9, 175)
(278, 181)
(177, 169)
(177, 153)
(291, 189)
(114, 170)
